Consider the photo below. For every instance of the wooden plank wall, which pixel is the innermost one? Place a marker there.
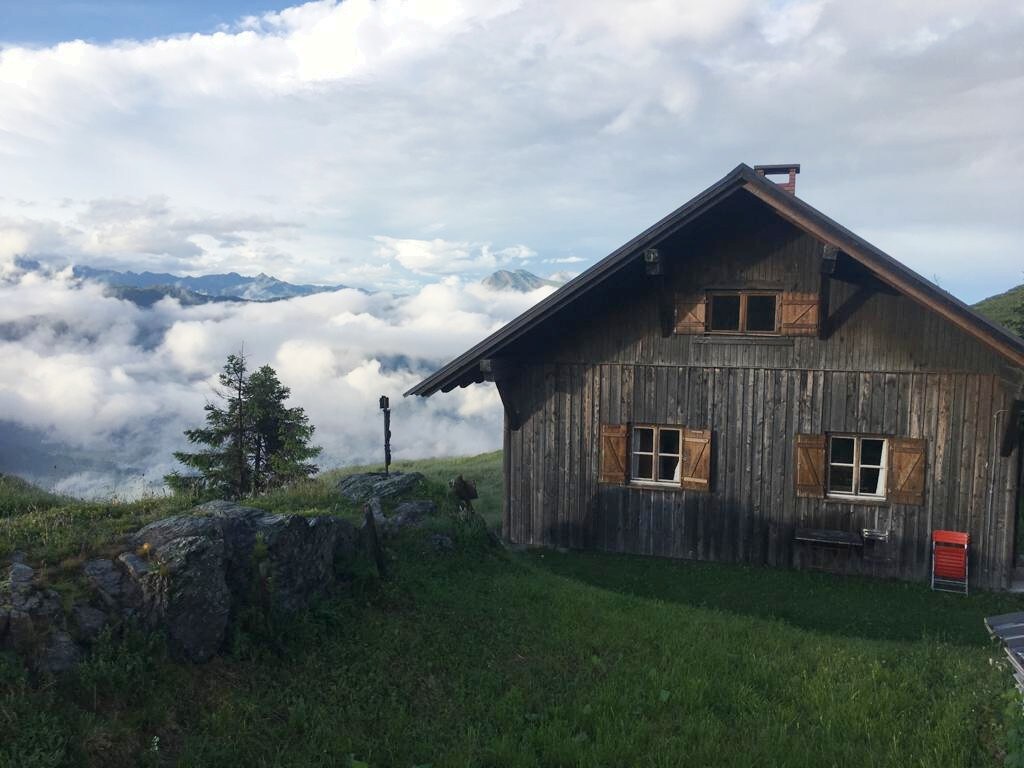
(887, 333)
(752, 511)
(891, 367)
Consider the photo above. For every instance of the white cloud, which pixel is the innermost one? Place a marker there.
(791, 23)
(97, 374)
(441, 257)
(458, 123)
(302, 142)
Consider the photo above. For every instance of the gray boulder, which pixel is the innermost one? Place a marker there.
(21, 632)
(185, 575)
(60, 653)
(369, 484)
(20, 574)
(408, 514)
(201, 568)
(115, 589)
(87, 622)
(184, 591)
(412, 513)
(442, 543)
(301, 553)
(231, 523)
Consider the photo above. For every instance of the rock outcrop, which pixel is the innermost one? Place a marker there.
(32, 620)
(367, 485)
(188, 576)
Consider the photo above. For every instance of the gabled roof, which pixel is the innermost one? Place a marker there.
(788, 206)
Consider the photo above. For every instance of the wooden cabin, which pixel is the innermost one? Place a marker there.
(748, 381)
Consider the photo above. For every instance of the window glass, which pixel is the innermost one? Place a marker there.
(668, 468)
(842, 450)
(725, 312)
(644, 467)
(643, 439)
(840, 478)
(871, 481)
(871, 452)
(761, 313)
(668, 441)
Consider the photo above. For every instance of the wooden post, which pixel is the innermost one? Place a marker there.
(385, 405)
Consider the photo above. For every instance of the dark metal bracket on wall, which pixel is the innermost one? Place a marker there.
(1012, 429)
(501, 372)
(655, 266)
(835, 266)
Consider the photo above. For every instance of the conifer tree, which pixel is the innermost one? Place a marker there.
(251, 441)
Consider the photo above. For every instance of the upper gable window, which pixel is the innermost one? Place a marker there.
(753, 312)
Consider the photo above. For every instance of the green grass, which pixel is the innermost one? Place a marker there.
(485, 658)
(1005, 308)
(52, 528)
(17, 496)
(485, 469)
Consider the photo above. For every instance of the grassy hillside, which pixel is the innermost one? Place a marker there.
(17, 496)
(1007, 309)
(53, 528)
(487, 658)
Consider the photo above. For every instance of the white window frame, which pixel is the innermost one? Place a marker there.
(857, 466)
(655, 454)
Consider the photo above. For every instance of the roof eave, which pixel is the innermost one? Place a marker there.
(610, 264)
(790, 207)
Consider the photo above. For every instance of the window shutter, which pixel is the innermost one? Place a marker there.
(691, 313)
(906, 470)
(810, 466)
(798, 314)
(696, 470)
(614, 453)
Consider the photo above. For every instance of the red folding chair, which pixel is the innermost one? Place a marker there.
(949, 561)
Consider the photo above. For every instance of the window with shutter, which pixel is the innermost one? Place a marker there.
(810, 466)
(670, 457)
(798, 314)
(614, 450)
(906, 471)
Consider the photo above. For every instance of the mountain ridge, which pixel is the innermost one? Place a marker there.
(519, 280)
(227, 285)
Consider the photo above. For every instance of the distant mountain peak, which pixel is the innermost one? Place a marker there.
(231, 285)
(518, 280)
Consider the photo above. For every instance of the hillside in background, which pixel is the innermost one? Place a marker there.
(1007, 309)
(147, 297)
(519, 280)
(231, 285)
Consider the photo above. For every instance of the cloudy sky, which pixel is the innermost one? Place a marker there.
(412, 147)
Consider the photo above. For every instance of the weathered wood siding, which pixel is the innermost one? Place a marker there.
(892, 368)
(752, 511)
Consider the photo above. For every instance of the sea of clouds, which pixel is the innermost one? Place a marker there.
(98, 376)
(410, 147)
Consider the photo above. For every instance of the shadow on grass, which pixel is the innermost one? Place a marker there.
(841, 605)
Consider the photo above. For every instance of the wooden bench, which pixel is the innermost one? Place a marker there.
(824, 547)
(828, 538)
